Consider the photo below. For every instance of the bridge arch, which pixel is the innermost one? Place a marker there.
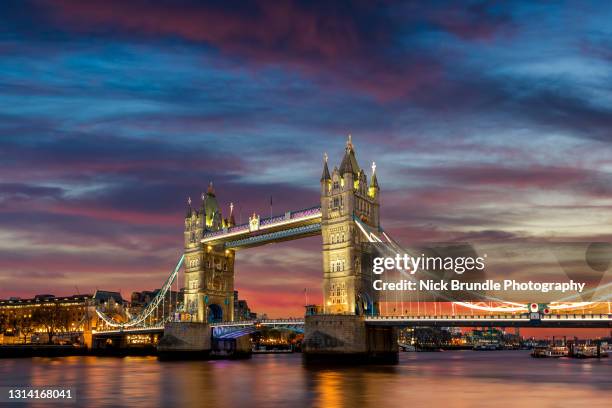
(215, 313)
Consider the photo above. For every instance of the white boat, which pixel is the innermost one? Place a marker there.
(550, 351)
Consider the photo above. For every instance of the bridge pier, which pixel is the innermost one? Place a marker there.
(185, 340)
(348, 339)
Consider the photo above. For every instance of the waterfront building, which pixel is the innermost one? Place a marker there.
(43, 316)
(241, 309)
(139, 300)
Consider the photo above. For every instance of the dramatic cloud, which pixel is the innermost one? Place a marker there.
(488, 121)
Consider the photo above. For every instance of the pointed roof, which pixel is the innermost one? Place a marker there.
(188, 213)
(374, 180)
(349, 161)
(325, 175)
(231, 217)
(210, 206)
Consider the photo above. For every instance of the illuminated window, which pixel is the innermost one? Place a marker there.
(337, 293)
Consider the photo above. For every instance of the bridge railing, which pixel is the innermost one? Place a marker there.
(602, 316)
(293, 215)
(294, 320)
(578, 316)
(450, 317)
(306, 212)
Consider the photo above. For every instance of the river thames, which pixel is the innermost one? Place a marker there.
(446, 379)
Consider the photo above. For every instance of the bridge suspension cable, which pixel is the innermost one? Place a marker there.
(151, 307)
(502, 306)
(395, 248)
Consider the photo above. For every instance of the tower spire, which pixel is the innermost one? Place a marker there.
(373, 181)
(188, 213)
(349, 162)
(325, 176)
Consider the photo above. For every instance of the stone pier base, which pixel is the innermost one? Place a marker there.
(234, 348)
(347, 339)
(185, 340)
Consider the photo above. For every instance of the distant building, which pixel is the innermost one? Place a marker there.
(139, 300)
(111, 304)
(103, 297)
(241, 309)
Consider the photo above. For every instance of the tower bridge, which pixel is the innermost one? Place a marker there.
(351, 321)
(211, 242)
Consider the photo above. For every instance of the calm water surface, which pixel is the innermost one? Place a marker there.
(447, 379)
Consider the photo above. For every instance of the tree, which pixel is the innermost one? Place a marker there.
(3, 323)
(26, 327)
(53, 318)
(13, 323)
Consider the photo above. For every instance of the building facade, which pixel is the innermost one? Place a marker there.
(43, 316)
(242, 311)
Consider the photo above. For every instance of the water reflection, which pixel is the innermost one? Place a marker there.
(421, 379)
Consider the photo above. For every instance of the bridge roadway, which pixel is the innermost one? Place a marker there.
(518, 320)
(220, 327)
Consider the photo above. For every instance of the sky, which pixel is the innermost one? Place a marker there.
(487, 120)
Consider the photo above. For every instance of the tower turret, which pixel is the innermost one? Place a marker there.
(325, 177)
(210, 209)
(189, 210)
(349, 161)
(232, 221)
(193, 225)
(374, 188)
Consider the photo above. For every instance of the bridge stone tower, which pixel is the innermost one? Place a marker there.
(209, 271)
(346, 196)
(341, 333)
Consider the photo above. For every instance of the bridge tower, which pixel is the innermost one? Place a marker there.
(346, 195)
(209, 271)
